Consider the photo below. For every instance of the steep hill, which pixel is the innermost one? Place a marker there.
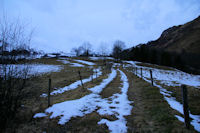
(178, 46)
(180, 38)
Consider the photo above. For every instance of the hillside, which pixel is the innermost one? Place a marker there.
(178, 47)
(180, 38)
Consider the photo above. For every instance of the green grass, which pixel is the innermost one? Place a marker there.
(150, 113)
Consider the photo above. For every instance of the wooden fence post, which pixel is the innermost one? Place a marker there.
(151, 77)
(136, 71)
(49, 90)
(185, 106)
(92, 76)
(96, 74)
(81, 79)
(141, 72)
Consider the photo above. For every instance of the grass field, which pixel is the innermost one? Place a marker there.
(150, 112)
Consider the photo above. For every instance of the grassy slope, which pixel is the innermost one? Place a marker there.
(193, 93)
(150, 112)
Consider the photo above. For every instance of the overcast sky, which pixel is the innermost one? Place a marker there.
(63, 24)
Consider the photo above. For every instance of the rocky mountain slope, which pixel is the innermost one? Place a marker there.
(180, 38)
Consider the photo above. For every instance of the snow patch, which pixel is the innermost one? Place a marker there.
(76, 65)
(76, 84)
(101, 58)
(169, 77)
(89, 103)
(121, 108)
(39, 115)
(85, 105)
(98, 88)
(85, 62)
(32, 69)
(64, 61)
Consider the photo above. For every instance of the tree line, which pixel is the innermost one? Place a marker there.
(184, 61)
(86, 49)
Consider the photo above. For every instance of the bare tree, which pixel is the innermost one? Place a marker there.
(103, 52)
(13, 36)
(103, 49)
(12, 77)
(118, 48)
(87, 48)
(78, 51)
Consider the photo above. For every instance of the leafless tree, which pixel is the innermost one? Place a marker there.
(103, 52)
(118, 48)
(87, 48)
(78, 51)
(103, 49)
(13, 35)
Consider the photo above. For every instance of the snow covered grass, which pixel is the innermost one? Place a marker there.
(64, 61)
(76, 65)
(117, 105)
(42, 68)
(50, 56)
(79, 107)
(75, 84)
(98, 88)
(101, 58)
(85, 62)
(174, 78)
(169, 77)
(179, 107)
(120, 108)
(33, 69)
(116, 64)
(27, 57)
